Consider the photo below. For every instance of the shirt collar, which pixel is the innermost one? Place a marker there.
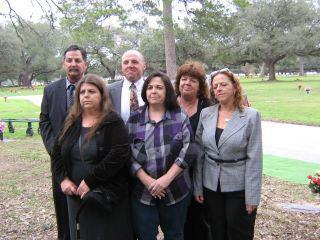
(69, 83)
(127, 83)
(144, 116)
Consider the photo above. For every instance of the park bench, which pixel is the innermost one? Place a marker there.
(29, 130)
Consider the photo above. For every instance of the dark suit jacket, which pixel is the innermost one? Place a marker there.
(115, 94)
(53, 112)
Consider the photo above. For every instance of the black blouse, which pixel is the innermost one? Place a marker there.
(194, 119)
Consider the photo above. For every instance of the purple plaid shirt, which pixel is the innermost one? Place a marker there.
(155, 147)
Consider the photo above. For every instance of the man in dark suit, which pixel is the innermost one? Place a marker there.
(132, 66)
(56, 100)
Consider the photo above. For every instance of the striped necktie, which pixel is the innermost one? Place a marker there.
(70, 95)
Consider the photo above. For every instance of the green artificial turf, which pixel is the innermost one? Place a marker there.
(291, 170)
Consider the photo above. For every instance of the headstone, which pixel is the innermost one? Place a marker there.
(303, 208)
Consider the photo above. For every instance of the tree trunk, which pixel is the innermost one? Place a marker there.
(246, 69)
(23, 79)
(12, 82)
(169, 42)
(112, 74)
(301, 66)
(262, 67)
(272, 73)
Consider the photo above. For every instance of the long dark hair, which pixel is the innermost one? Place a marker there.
(75, 113)
(171, 99)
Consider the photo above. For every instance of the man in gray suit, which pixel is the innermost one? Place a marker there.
(132, 66)
(56, 100)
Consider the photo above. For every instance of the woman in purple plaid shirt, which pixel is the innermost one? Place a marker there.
(162, 150)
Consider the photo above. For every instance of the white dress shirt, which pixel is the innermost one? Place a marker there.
(125, 97)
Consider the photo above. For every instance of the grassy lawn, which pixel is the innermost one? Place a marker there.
(19, 91)
(282, 101)
(19, 109)
(278, 101)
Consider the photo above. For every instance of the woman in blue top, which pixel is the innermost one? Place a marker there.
(161, 142)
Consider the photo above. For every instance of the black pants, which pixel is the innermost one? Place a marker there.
(195, 227)
(61, 210)
(226, 213)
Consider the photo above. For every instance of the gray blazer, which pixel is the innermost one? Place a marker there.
(115, 94)
(240, 139)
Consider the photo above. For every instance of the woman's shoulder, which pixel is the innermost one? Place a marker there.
(112, 116)
(209, 109)
(251, 112)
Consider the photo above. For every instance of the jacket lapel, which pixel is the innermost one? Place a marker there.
(62, 97)
(117, 97)
(211, 123)
(234, 125)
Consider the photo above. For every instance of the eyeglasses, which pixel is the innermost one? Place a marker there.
(215, 73)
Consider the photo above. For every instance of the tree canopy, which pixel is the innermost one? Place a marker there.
(266, 33)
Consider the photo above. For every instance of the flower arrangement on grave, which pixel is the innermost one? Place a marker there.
(2, 128)
(314, 182)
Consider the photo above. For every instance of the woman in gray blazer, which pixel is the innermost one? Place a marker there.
(228, 172)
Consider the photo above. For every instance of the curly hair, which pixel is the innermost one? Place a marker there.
(193, 69)
(238, 97)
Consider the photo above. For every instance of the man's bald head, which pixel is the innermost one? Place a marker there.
(133, 65)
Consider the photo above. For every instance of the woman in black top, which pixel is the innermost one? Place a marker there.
(91, 152)
(193, 95)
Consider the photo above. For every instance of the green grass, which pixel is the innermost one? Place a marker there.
(282, 101)
(278, 100)
(19, 109)
(291, 170)
(19, 91)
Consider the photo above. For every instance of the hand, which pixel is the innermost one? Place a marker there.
(250, 208)
(148, 181)
(159, 186)
(199, 199)
(83, 189)
(68, 187)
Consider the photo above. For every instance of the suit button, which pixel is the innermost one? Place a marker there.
(100, 148)
(97, 132)
(218, 164)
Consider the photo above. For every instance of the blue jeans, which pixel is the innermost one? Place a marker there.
(171, 219)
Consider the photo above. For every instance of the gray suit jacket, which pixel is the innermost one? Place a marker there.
(115, 94)
(240, 139)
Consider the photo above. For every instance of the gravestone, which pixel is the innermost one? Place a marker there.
(303, 208)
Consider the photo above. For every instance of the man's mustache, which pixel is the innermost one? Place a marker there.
(73, 69)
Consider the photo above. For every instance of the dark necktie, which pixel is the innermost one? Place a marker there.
(134, 105)
(70, 95)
